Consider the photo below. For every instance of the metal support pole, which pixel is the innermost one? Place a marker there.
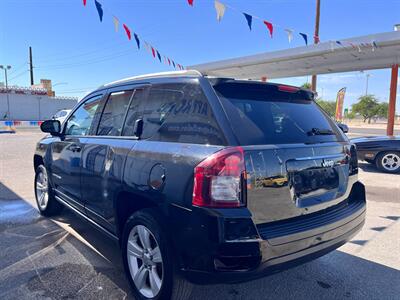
(392, 100)
(316, 41)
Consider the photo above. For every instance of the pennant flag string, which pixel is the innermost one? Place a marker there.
(116, 23)
(304, 37)
(99, 10)
(270, 27)
(249, 19)
(137, 40)
(153, 51)
(289, 34)
(220, 8)
(128, 32)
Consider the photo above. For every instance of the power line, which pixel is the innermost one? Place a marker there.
(79, 64)
(19, 75)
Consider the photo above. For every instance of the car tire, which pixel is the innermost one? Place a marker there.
(44, 195)
(388, 161)
(145, 235)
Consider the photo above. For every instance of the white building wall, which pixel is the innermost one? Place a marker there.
(32, 107)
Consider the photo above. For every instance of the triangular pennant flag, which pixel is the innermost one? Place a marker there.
(147, 46)
(116, 23)
(169, 61)
(375, 45)
(128, 32)
(190, 2)
(249, 19)
(158, 55)
(304, 37)
(289, 34)
(173, 63)
(153, 52)
(137, 40)
(339, 43)
(84, 2)
(270, 27)
(220, 8)
(353, 46)
(99, 10)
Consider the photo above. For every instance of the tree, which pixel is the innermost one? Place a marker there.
(328, 106)
(369, 107)
(306, 85)
(382, 110)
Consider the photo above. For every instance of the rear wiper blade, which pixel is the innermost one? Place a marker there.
(319, 131)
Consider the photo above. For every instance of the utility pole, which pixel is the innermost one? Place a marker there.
(366, 85)
(316, 41)
(31, 65)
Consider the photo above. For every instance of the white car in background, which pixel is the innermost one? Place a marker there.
(61, 115)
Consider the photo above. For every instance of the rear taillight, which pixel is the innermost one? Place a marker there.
(219, 180)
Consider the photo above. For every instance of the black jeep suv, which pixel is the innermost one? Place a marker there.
(202, 179)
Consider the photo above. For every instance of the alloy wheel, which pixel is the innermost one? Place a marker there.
(145, 261)
(391, 162)
(42, 189)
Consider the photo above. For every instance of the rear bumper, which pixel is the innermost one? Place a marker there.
(272, 251)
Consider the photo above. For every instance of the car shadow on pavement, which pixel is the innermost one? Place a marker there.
(371, 168)
(65, 257)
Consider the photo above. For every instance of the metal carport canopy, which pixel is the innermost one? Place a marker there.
(323, 58)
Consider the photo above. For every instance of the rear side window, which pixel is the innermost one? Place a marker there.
(262, 114)
(178, 112)
(114, 113)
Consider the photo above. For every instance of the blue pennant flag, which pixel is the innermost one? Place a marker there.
(249, 19)
(137, 40)
(304, 37)
(159, 56)
(99, 10)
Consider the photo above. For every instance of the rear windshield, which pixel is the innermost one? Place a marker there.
(262, 114)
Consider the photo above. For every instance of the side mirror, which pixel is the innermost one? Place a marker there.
(138, 128)
(343, 127)
(51, 126)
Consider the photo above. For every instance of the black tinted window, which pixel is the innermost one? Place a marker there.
(262, 114)
(114, 113)
(135, 112)
(179, 113)
(82, 119)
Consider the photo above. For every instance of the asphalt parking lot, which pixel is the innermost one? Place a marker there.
(65, 257)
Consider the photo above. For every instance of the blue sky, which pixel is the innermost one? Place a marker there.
(71, 47)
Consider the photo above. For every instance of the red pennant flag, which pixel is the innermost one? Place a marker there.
(128, 32)
(169, 61)
(270, 27)
(84, 2)
(153, 52)
(190, 2)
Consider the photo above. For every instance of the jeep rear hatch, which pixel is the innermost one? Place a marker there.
(296, 159)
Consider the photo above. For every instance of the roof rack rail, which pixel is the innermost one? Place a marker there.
(183, 73)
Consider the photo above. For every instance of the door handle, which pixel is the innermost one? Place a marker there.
(75, 148)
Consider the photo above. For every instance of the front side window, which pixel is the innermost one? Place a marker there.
(82, 119)
(114, 113)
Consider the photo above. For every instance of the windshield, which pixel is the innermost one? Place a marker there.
(262, 114)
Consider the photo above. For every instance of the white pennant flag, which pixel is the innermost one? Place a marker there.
(116, 23)
(289, 34)
(220, 8)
